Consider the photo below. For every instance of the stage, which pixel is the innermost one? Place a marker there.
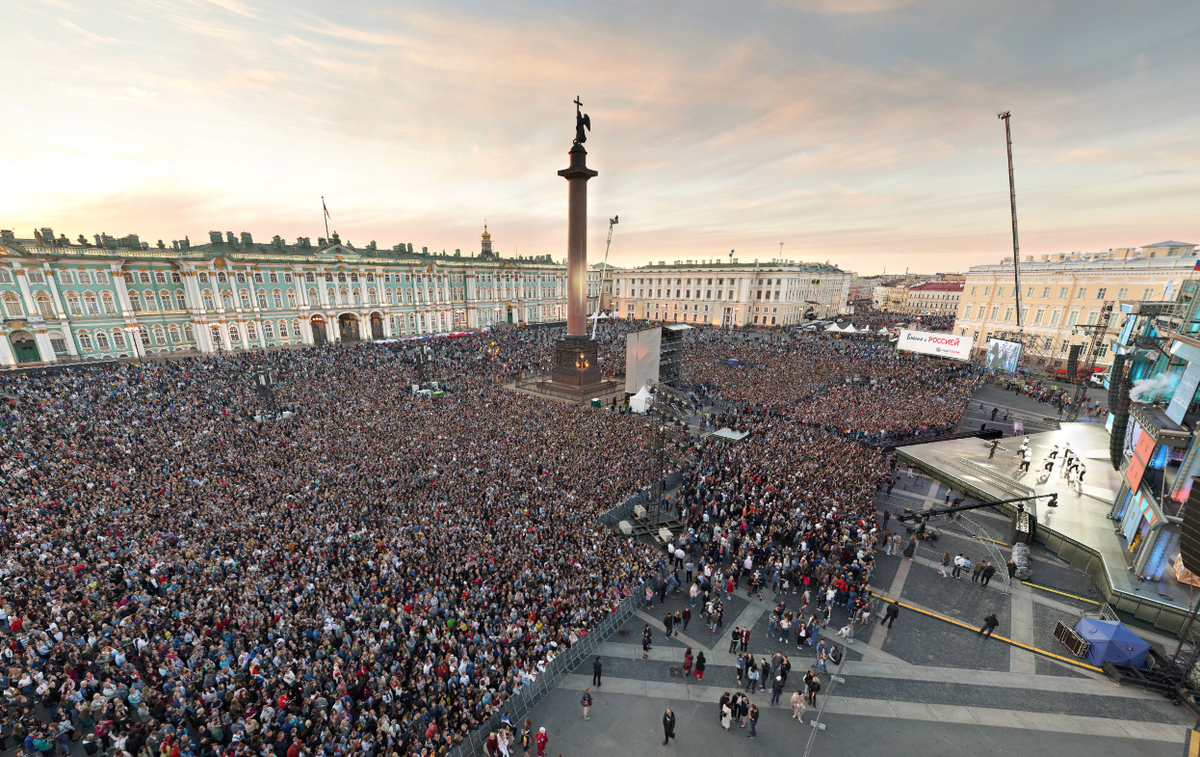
(1079, 529)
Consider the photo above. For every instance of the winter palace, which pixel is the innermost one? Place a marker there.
(67, 301)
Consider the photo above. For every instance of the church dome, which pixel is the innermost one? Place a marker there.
(486, 236)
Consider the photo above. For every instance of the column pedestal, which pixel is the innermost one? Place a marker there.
(576, 362)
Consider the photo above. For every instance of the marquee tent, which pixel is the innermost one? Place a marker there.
(640, 402)
(1112, 641)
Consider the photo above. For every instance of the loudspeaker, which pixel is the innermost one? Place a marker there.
(1073, 361)
(1116, 378)
(1189, 534)
(1116, 442)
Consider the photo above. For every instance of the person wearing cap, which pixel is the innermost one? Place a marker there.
(776, 690)
(541, 739)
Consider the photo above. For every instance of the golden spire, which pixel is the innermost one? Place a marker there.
(486, 235)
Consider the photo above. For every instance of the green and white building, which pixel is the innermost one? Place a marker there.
(65, 301)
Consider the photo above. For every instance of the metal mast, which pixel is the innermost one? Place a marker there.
(600, 290)
(1012, 196)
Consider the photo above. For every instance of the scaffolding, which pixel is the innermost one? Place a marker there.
(670, 362)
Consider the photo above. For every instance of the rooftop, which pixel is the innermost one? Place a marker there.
(938, 286)
(45, 244)
(736, 265)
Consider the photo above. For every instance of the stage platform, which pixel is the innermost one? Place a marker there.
(1079, 529)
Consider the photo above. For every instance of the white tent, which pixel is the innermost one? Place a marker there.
(832, 327)
(640, 402)
(850, 329)
(883, 329)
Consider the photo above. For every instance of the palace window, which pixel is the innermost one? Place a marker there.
(85, 340)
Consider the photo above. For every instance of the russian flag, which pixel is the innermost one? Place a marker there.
(327, 216)
(1197, 266)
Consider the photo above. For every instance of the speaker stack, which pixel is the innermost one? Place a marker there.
(1189, 534)
(1073, 361)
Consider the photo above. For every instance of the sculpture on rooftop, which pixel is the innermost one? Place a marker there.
(582, 121)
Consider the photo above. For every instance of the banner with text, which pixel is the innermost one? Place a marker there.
(942, 345)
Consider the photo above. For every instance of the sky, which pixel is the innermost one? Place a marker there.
(859, 132)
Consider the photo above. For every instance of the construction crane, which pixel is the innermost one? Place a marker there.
(600, 294)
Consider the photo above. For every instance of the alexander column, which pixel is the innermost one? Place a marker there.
(577, 364)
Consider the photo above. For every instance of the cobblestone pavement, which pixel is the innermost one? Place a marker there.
(926, 686)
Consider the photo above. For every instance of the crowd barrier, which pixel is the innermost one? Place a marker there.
(523, 702)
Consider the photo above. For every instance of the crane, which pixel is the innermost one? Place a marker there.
(600, 294)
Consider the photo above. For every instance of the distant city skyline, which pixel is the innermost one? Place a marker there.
(858, 132)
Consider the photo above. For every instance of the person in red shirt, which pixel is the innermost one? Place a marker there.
(541, 741)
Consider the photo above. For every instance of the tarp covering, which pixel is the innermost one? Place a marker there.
(1112, 641)
(832, 327)
(640, 402)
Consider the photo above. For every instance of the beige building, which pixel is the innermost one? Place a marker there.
(890, 299)
(731, 294)
(600, 287)
(934, 298)
(1065, 291)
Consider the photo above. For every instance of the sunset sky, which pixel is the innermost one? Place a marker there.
(862, 132)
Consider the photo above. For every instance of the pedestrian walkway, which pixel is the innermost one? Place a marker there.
(913, 711)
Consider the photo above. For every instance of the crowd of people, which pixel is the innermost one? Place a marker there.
(380, 573)
(376, 575)
(862, 390)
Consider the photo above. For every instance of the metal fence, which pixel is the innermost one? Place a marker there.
(523, 702)
(624, 511)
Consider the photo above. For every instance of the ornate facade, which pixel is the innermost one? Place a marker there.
(731, 294)
(64, 301)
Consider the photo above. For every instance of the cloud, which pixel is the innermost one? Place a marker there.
(67, 23)
(864, 129)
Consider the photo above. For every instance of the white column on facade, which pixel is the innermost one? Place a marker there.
(301, 287)
(58, 304)
(46, 349)
(6, 354)
(243, 335)
(306, 332)
(253, 292)
(134, 335)
(322, 289)
(191, 291)
(26, 294)
(118, 279)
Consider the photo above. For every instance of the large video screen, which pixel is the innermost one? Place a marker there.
(929, 343)
(1002, 356)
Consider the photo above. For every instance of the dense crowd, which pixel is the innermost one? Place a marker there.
(378, 574)
(381, 573)
(860, 389)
